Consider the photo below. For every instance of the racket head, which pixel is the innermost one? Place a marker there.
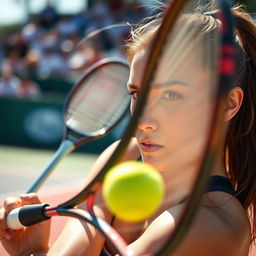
(187, 74)
(92, 53)
(96, 105)
(98, 102)
(196, 114)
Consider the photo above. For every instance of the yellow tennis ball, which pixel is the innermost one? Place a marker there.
(133, 190)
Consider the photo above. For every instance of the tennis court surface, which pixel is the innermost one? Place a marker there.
(19, 167)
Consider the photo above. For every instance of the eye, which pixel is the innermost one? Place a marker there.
(171, 95)
(134, 95)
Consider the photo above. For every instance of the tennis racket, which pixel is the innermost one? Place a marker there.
(186, 76)
(96, 104)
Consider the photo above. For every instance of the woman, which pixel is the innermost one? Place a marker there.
(222, 225)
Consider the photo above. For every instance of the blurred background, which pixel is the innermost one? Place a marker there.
(39, 64)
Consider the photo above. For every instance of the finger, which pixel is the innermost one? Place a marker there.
(31, 198)
(8, 234)
(5, 233)
(2, 219)
(11, 203)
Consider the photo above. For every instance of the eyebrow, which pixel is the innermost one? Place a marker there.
(171, 83)
(163, 84)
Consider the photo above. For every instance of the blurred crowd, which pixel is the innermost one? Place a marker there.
(47, 44)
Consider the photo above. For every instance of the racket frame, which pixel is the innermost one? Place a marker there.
(216, 136)
(73, 139)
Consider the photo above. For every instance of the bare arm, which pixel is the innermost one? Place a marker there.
(79, 238)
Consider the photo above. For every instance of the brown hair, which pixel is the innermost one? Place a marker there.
(240, 139)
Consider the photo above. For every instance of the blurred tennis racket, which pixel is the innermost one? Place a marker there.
(87, 61)
(186, 77)
(96, 104)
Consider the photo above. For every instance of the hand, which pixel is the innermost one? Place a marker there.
(33, 239)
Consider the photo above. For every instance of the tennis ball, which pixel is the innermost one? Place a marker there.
(133, 190)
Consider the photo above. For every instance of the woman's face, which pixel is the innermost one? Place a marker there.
(172, 131)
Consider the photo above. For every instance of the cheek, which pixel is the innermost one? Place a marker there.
(186, 127)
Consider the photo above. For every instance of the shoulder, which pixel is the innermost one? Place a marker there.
(219, 228)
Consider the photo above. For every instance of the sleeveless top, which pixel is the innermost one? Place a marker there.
(216, 183)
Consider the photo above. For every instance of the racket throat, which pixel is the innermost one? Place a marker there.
(64, 149)
(90, 202)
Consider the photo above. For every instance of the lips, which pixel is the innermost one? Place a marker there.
(149, 146)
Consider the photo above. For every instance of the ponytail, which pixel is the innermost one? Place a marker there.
(241, 135)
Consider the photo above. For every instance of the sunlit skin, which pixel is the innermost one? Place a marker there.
(169, 124)
(174, 126)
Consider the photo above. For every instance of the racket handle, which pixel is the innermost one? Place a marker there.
(26, 216)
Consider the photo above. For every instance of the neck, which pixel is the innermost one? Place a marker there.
(178, 185)
(219, 167)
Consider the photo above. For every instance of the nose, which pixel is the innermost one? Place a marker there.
(148, 123)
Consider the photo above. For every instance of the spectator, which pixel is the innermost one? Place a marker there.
(48, 16)
(52, 63)
(16, 41)
(9, 83)
(14, 61)
(32, 61)
(32, 30)
(28, 88)
(67, 26)
(43, 46)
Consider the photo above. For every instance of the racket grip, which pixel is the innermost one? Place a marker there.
(26, 216)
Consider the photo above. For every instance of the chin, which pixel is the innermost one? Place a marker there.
(155, 163)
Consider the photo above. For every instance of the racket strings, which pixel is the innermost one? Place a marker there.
(92, 112)
(183, 44)
(180, 44)
(95, 119)
(102, 103)
(97, 96)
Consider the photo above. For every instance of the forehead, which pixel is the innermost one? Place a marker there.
(137, 66)
(171, 67)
